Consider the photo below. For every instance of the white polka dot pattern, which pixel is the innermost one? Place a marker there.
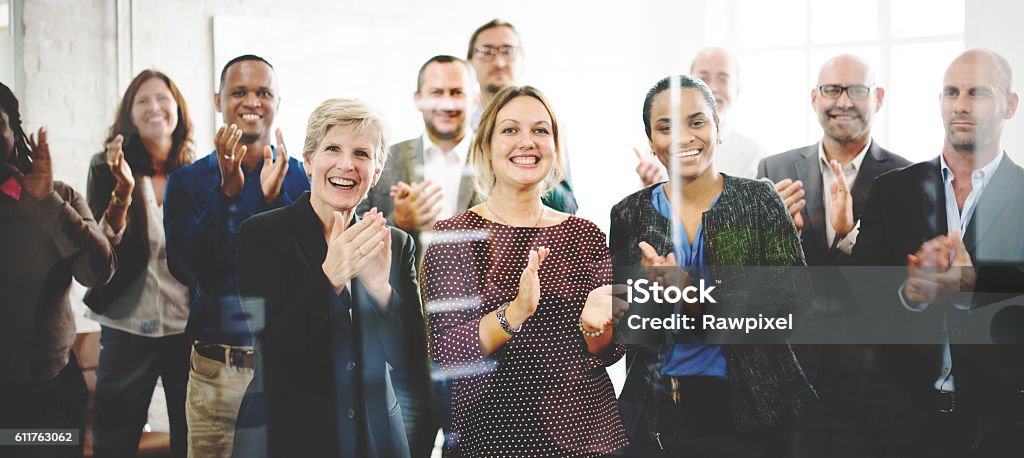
(542, 393)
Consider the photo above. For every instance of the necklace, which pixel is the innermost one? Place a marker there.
(496, 215)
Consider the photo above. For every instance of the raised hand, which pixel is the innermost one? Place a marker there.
(529, 284)
(229, 158)
(350, 250)
(663, 269)
(416, 205)
(792, 193)
(602, 309)
(376, 273)
(273, 173)
(125, 181)
(840, 212)
(650, 172)
(39, 182)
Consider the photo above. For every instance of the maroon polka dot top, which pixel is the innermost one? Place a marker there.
(542, 393)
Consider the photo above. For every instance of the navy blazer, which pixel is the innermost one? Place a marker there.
(317, 371)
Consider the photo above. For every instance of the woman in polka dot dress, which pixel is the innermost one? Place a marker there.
(519, 301)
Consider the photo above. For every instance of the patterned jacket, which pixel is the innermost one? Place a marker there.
(749, 226)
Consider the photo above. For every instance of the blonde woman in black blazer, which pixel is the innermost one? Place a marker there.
(329, 285)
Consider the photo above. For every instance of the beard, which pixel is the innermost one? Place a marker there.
(493, 88)
(443, 135)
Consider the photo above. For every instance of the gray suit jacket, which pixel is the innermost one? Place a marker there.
(406, 164)
(802, 164)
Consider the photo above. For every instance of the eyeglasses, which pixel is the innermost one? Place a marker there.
(856, 91)
(487, 53)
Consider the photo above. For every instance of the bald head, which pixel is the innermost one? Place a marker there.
(985, 61)
(846, 101)
(719, 69)
(977, 98)
(846, 67)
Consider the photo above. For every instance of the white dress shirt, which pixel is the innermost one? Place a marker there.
(827, 178)
(446, 170)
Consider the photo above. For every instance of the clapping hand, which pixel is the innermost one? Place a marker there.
(350, 250)
(529, 283)
(125, 182)
(273, 173)
(840, 212)
(602, 309)
(229, 157)
(650, 172)
(39, 182)
(792, 193)
(416, 205)
(940, 269)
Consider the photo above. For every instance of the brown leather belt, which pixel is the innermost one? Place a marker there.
(231, 356)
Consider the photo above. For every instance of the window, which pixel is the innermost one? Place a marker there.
(909, 43)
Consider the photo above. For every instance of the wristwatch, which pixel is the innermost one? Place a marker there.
(504, 321)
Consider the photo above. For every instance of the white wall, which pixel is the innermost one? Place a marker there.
(995, 24)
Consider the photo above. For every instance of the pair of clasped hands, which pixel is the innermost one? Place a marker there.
(939, 270)
(601, 311)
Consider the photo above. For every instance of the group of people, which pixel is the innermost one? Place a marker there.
(357, 301)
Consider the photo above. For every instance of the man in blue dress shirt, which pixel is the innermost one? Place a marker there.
(204, 206)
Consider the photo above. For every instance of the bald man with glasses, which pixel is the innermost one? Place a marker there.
(825, 186)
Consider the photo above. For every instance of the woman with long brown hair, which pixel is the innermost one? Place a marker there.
(143, 310)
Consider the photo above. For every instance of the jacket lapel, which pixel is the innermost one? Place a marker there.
(809, 172)
(308, 231)
(994, 200)
(872, 166)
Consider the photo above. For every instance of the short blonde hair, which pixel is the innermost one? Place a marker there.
(350, 113)
(480, 154)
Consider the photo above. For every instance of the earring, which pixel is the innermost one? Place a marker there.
(719, 140)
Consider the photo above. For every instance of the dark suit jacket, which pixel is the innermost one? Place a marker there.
(133, 251)
(802, 164)
(319, 370)
(748, 227)
(907, 208)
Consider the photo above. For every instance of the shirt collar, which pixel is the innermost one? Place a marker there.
(985, 173)
(857, 160)
(11, 188)
(462, 149)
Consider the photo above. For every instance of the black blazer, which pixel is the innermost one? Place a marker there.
(133, 251)
(309, 352)
(907, 208)
(802, 164)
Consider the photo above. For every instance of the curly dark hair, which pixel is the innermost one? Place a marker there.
(9, 104)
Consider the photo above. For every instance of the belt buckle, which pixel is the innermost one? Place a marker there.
(943, 395)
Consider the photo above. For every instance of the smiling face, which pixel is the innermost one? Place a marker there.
(975, 101)
(444, 100)
(522, 149)
(846, 120)
(683, 137)
(154, 112)
(343, 168)
(248, 98)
